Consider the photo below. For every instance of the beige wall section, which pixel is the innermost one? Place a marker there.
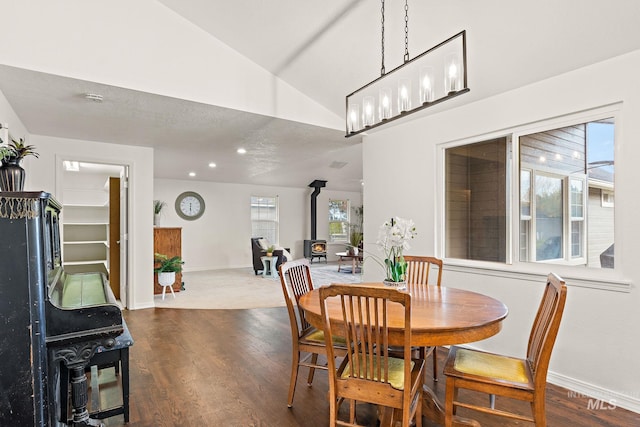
(596, 321)
(221, 237)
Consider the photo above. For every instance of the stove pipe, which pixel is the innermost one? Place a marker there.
(317, 185)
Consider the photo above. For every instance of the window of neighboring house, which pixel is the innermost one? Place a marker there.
(475, 201)
(338, 220)
(563, 180)
(606, 197)
(264, 218)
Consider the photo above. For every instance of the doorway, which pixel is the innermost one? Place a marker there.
(94, 221)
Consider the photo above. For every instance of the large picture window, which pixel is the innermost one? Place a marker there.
(564, 190)
(264, 218)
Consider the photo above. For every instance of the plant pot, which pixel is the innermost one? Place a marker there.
(11, 176)
(156, 220)
(167, 278)
(396, 285)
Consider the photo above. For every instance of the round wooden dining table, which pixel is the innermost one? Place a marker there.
(439, 316)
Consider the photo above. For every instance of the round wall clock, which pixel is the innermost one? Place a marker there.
(190, 205)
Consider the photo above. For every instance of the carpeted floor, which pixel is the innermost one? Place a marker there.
(241, 288)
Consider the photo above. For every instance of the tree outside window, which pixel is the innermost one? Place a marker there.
(264, 218)
(339, 220)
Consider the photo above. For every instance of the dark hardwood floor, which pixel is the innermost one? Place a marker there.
(231, 368)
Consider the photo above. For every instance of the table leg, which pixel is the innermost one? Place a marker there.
(433, 410)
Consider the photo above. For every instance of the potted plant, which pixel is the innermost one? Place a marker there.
(393, 240)
(158, 205)
(356, 230)
(270, 250)
(355, 238)
(11, 173)
(167, 268)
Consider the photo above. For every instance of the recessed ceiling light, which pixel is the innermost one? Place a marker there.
(242, 151)
(94, 97)
(212, 165)
(192, 174)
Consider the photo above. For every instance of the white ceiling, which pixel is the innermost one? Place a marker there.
(325, 49)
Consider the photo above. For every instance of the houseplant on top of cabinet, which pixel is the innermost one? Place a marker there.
(11, 173)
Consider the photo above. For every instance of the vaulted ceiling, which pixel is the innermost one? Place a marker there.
(222, 59)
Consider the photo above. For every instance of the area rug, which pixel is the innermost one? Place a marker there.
(241, 288)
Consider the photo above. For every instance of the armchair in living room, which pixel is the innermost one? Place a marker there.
(259, 247)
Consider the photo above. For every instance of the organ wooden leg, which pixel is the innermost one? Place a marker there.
(80, 398)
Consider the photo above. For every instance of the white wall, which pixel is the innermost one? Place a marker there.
(221, 237)
(597, 347)
(9, 118)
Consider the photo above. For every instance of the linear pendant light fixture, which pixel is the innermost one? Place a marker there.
(430, 78)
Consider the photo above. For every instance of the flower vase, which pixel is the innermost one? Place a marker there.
(11, 176)
(397, 285)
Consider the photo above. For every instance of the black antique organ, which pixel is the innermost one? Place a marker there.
(48, 318)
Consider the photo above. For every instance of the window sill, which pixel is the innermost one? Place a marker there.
(576, 280)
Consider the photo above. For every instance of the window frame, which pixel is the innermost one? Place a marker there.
(597, 278)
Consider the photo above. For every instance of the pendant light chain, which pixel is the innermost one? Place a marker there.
(406, 30)
(382, 71)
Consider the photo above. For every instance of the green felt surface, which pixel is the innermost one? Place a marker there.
(81, 290)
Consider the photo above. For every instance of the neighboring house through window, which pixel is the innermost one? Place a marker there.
(264, 218)
(563, 192)
(339, 220)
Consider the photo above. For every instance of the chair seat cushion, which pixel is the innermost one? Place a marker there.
(318, 336)
(491, 366)
(396, 371)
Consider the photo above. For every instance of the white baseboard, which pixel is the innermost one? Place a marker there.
(610, 399)
(142, 306)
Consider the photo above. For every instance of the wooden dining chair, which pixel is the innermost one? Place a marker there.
(369, 373)
(521, 379)
(425, 270)
(295, 277)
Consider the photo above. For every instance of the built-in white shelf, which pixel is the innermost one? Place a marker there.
(85, 232)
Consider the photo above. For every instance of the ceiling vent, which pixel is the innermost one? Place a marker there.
(337, 165)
